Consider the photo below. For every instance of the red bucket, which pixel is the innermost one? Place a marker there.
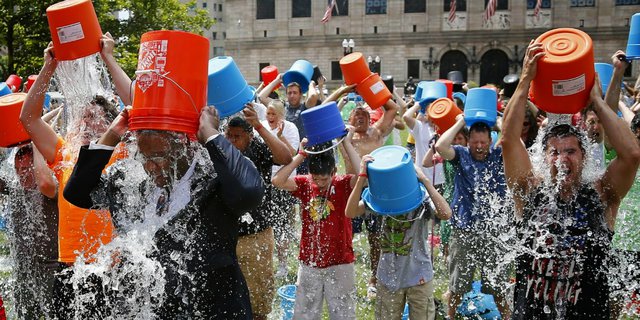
(565, 74)
(14, 82)
(30, 80)
(171, 81)
(449, 85)
(12, 133)
(373, 91)
(354, 68)
(74, 28)
(269, 73)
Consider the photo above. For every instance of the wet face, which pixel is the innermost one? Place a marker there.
(159, 156)
(24, 170)
(479, 144)
(294, 95)
(238, 137)
(322, 180)
(273, 117)
(566, 159)
(359, 119)
(594, 128)
(93, 123)
(460, 140)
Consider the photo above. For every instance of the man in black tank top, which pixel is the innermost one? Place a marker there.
(565, 223)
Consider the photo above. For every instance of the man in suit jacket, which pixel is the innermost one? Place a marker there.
(199, 200)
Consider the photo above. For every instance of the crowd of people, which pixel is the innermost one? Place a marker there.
(514, 204)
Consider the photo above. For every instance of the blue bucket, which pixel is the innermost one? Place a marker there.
(227, 90)
(47, 102)
(605, 72)
(4, 89)
(432, 91)
(300, 72)
(460, 96)
(405, 313)
(323, 123)
(476, 304)
(287, 296)
(418, 93)
(633, 42)
(480, 106)
(394, 188)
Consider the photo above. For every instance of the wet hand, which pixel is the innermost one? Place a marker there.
(251, 115)
(209, 122)
(460, 118)
(619, 60)
(120, 124)
(421, 176)
(534, 52)
(107, 44)
(596, 90)
(49, 56)
(349, 136)
(303, 144)
(346, 89)
(364, 162)
(279, 78)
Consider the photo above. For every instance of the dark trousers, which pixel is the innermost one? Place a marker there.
(65, 305)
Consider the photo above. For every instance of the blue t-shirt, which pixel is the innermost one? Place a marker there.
(478, 187)
(293, 115)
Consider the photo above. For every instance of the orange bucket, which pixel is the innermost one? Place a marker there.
(354, 68)
(12, 133)
(74, 28)
(373, 91)
(171, 81)
(269, 73)
(442, 113)
(565, 74)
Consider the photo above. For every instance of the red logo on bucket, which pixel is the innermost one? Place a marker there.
(151, 63)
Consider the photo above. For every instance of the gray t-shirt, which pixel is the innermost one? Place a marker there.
(405, 260)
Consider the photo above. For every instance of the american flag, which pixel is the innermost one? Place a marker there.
(536, 10)
(452, 10)
(490, 10)
(327, 14)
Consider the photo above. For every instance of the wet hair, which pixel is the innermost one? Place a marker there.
(26, 150)
(532, 133)
(110, 109)
(562, 131)
(238, 122)
(635, 123)
(585, 110)
(322, 164)
(294, 84)
(480, 127)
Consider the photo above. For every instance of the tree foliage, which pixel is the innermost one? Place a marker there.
(24, 30)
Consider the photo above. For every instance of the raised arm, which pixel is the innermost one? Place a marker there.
(385, 124)
(616, 181)
(443, 210)
(282, 179)
(355, 207)
(518, 169)
(408, 115)
(44, 177)
(444, 144)
(264, 94)
(336, 94)
(42, 135)
(121, 80)
(312, 95)
(612, 95)
(351, 154)
(280, 151)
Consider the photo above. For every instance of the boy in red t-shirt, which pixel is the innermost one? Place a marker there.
(326, 253)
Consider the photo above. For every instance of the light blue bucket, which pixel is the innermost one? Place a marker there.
(4, 89)
(418, 93)
(432, 91)
(480, 106)
(633, 42)
(47, 102)
(460, 96)
(287, 296)
(605, 72)
(477, 305)
(405, 313)
(394, 188)
(323, 123)
(227, 89)
(300, 72)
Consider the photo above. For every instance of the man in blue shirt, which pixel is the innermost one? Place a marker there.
(478, 206)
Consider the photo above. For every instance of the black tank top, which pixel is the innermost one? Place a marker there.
(561, 272)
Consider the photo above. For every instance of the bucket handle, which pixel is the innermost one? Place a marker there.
(327, 149)
(138, 72)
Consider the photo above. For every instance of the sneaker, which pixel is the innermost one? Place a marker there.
(371, 292)
(282, 271)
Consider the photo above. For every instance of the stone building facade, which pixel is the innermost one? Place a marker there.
(419, 38)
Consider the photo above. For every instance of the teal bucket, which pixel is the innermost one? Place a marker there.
(394, 188)
(227, 90)
(287, 296)
(300, 72)
(480, 106)
(605, 72)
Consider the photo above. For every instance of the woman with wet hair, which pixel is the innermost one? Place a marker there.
(81, 231)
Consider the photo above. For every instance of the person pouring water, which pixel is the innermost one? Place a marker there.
(565, 221)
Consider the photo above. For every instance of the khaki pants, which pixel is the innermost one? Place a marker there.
(335, 284)
(255, 256)
(390, 304)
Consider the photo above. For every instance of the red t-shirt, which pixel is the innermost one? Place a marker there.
(326, 231)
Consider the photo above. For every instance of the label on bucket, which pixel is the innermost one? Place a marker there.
(151, 63)
(568, 87)
(70, 33)
(377, 87)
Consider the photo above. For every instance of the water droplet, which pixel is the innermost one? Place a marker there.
(547, 309)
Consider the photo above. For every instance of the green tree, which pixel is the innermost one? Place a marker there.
(24, 30)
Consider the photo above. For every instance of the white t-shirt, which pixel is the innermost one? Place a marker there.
(290, 133)
(422, 133)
